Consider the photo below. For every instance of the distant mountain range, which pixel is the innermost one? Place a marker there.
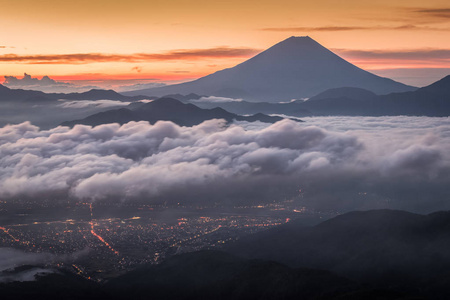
(167, 109)
(432, 100)
(34, 97)
(295, 68)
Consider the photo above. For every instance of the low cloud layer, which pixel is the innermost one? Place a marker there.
(91, 103)
(214, 99)
(12, 258)
(338, 162)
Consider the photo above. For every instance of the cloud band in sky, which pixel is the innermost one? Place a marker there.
(352, 28)
(84, 58)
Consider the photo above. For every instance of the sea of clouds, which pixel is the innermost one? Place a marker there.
(339, 163)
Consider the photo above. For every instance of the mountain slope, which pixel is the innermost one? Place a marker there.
(201, 275)
(295, 68)
(217, 275)
(380, 246)
(432, 100)
(167, 109)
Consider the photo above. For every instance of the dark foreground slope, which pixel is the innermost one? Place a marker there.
(167, 109)
(381, 247)
(203, 275)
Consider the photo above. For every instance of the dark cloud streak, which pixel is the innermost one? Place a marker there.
(352, 28)
(441, 13)
(425, 55)
(85, 58)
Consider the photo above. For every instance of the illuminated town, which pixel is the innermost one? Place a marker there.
(98, 241)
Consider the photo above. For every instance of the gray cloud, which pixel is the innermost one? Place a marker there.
(45, 84)
(402, 162)
(352, 28)
(27, 80)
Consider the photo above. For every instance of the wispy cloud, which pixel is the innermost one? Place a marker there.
(352, 28)
(407, 54)
(85, 58)
(397, 58)
(436, 13)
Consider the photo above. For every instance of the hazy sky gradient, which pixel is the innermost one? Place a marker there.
(146, 39)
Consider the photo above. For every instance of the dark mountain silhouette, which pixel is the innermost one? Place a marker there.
(202, 275)
(167, 109)
(295, 68)
(217, 275)
(12, 95)
(29, 96)
(439, 88)
(381, 247)
(432, 100)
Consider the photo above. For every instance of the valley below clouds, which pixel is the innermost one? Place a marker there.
(341, 163)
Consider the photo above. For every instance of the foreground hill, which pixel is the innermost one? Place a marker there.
(295, 68)
(202, 275)
(382, 247)
(167, 109)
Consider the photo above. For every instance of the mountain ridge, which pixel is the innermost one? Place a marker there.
(31, 96)
(167, 109)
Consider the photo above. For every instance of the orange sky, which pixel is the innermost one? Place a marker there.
(181, 39)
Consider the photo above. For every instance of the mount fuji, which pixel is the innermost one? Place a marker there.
(298, 67)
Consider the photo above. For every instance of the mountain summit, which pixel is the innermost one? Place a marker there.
(295, 68)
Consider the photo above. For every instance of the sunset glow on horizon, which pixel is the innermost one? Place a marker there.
(140, 41)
